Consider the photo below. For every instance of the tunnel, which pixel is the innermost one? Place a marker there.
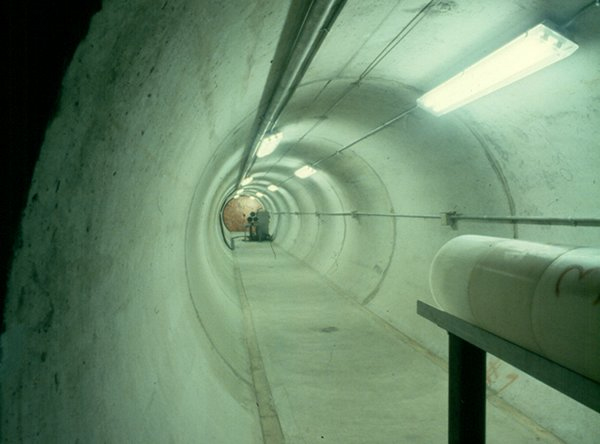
(134, 314)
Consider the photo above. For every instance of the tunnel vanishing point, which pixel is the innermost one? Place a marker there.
(133, 314)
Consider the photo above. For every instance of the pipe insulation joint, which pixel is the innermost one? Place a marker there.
(545, 298)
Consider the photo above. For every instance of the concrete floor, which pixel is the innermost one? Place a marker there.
(336, 372)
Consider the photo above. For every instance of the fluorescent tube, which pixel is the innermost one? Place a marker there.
(247, 181)
(528, 53)
(272, 187)
(268, 144)
(259, 194)
(305, 171)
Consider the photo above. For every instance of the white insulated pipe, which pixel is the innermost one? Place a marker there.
(545, 298)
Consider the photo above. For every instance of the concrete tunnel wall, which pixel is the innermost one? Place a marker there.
(123, 319)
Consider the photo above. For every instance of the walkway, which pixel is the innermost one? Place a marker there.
(337, 373)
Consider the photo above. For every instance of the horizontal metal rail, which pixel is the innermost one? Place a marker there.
(355, 214)
(572, 221)
(452, 218)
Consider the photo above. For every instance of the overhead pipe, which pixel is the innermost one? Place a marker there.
(305, 28)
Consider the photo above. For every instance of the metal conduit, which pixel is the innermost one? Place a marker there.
(450, 219)
(368, 134)
(360, 139)
(297, 48)
(575, 222)
(356, 214)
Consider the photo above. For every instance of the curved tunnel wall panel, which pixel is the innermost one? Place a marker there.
(422, 175)
(364, 254)
(300, 241)
(429, 166)
(111, 312)
(350, 260)
(548, 175)
(286, 205)
(209, 271)
(328, 234)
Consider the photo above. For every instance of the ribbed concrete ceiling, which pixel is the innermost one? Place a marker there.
(358, 81)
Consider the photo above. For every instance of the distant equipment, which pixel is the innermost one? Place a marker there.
(258, 226)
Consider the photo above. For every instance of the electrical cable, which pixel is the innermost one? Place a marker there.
(403, 33)
(397, 39)
(595, 3)
(222, 227)
(356, 141)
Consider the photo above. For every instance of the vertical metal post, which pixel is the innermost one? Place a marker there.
(466, 393)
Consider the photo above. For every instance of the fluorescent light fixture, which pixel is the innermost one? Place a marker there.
(528, 53)
(268, 144)
(247, 181)
(272, 187)
(252, 197)
(237, 196)
(305, 171)
(259, 194)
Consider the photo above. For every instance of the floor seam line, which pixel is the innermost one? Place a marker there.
(491, 395)
(269, 419)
